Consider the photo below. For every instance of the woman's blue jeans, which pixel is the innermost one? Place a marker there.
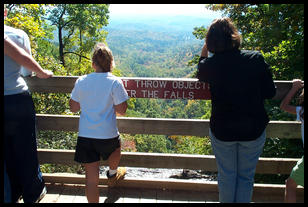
(236, 163)
(7, 187)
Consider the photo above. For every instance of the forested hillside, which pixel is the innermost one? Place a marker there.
(154, 47)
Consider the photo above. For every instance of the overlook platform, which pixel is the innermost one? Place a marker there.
(70, 188)
(75, 193)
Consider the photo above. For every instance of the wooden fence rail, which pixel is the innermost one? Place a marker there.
(182, 88)
(170, 161)
(189, 127)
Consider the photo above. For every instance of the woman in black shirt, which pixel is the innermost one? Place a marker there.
(240, 81)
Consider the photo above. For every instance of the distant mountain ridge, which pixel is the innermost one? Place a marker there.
(158, 23)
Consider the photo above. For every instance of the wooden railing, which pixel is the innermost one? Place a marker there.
(187, 88)
(65, 84)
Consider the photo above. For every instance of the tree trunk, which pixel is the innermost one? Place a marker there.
(61, 47)
(80, 38)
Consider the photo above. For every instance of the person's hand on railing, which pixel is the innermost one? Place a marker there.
(297, 84)
(286, 102)
(44, 74)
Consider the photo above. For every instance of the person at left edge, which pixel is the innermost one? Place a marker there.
(20, 148)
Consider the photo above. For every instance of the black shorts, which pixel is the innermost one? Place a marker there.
(90, 150)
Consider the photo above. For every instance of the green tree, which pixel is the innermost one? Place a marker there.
(79, 26)
(152, 143)
(277, 30)
(195, 109)
(192, 145)
(30, 18)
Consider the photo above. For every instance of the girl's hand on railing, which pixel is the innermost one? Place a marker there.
(297, 84)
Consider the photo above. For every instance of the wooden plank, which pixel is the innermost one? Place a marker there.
(50, 198)
(274, 193)
(193, 127)
(78, 190)
(64, 178)
(67, 195)
(132, 195)
(80, 196)
(53, 193)
(174, 88)
(172, 161)
(284, 129)
(275, 165)
(274, 189)
(262, 192)
(57, 122)
(148, 195)
(181, 196)
(103, 193)
(164, 196)
(283, 87)
(55, 156)
(136, 182)
(203, 197)
(114, 195)
(163, 126)
(56, 84)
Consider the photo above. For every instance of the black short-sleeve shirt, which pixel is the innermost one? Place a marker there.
(239, 82)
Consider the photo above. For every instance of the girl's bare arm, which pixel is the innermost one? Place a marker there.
(285, 104)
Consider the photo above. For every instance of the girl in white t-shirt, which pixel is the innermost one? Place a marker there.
(297, 175)
(99, 96)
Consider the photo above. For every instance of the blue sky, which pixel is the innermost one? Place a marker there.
(196, 10)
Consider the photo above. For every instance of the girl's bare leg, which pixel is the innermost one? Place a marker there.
(114, 159)
(92, 179)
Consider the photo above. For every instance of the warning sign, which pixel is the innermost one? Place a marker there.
(166, 88)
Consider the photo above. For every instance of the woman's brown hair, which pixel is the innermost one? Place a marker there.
(222, 36)
(102, 57)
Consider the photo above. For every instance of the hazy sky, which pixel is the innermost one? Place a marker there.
(161, 9)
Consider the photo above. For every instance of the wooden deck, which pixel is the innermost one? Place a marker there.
(75, 193)
(59, 193)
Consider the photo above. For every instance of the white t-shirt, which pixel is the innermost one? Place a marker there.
(298, 108)
(97, 93)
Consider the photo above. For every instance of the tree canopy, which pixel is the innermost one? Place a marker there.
(79, 27)
(277, 30)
